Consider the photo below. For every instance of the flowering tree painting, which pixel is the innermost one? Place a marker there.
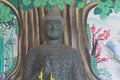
(96, 35)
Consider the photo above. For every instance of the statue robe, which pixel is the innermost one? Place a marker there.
(62, 61)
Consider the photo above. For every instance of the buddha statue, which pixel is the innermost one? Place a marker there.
(54, 57)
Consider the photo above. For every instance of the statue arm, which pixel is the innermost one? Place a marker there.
(29, 72)
(77, 73)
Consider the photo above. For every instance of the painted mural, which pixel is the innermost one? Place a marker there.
(8, 41)
(104, 44)
(102, 37)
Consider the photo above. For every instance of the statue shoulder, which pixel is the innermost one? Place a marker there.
(71, 50)
(34, 50)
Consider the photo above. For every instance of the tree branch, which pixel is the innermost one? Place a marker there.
(87, 8)
(85, 12)
(94, 47)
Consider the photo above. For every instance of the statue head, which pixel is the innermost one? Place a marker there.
(53, 25)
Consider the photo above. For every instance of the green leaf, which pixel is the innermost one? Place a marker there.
(96, 0)
(26, 2)
(68, 2)
(103, 16)
(59, 1)
(48, 5)
(97, 11)
(26, 7)
(1, 5)
(8, 17)
(110, 11)
(61, 6)
(116, 9)
(78, 0)
(7, 10)
(117, 3)
(16, 27)
(94, 65)
(88, 31)
(105, 10)
(101, 5)
(3, 31)
(37, 3)
(14, 2)
(109, 3)
(75, 5)
(103, 0)
(4, 11)
(81, 4)
(43, 2)
(12, 12)
(89, 47)
(2, 17)
(52, 2)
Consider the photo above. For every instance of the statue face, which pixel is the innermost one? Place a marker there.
(53, 29)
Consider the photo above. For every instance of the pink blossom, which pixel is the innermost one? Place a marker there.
(98, 59)
(92, 29)
(98, 54)
(104, 59)
(99, 51)
(105, 37)
(100, 36)
(106, 34)
(99, 48)
(101, 59)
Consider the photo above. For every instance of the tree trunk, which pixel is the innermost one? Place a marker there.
(85, 12)
(73, 27)
(66, 18)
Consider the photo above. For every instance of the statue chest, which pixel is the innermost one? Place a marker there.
(60, 65)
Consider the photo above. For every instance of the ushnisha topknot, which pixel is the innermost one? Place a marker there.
(53, 15)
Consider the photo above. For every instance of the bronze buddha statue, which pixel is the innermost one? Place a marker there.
(61, 60)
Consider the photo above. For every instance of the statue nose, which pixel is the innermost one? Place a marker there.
(53, 27)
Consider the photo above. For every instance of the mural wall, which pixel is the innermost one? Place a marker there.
(95, 33)
(8, 40)
(105, 35)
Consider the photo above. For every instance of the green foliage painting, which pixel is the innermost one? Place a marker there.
(8, 30)
(104, 8)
